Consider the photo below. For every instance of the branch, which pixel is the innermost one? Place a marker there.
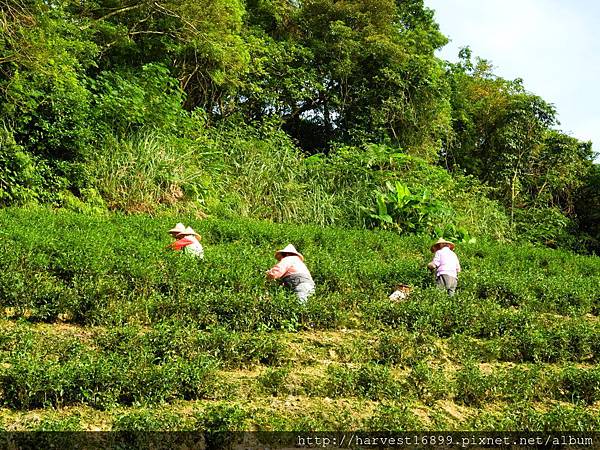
(188, 78)
(113, 13)
(173, 14)
(132, 33)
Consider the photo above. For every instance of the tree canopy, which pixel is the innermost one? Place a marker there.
(331, 74)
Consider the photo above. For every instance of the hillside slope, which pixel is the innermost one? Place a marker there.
(104, 329)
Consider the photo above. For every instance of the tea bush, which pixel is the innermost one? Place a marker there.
(99, 314)
(524, 417)
(370, 381)
(113, 271)
(526, 382)
(393, 418)
(406, 349)
(68, 371)
(273, 381)
(221, 417)
(72, 423)
(472, 386)
(580, 385)
(428, 382)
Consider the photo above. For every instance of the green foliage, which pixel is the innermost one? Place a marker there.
(211, 106)
(42, 82)
(347, 72)
(261, 174)
(399, 209)
(427, 382)
(68, 424)
(503, 135)
(146, 98)
(51, 272)
(199, 40)
(144, 172)
(393, 418)
(100, 380)
(586, 208)
(472, 387)
(523, 417)
(406, 349)
(370, 381)
(119, 328)
(273, 381)
(581, 385)
(543, 225)
(221, 417)
(458, 235)
(231, 112)
(20, 181)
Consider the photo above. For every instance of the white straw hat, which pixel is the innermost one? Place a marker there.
(189, 231)
(177, 229)
(441, 241)
(289, 249)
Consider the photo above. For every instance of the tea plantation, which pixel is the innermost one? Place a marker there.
(104, 329)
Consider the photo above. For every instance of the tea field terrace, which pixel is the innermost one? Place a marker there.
(105, 329)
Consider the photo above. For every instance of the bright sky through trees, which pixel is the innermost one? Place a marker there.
(553, 45)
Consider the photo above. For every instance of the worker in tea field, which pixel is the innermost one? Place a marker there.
(445, 264)
(188, 241)
(293, 272)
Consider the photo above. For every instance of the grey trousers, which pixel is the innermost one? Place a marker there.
(302, 285)
(448, 283)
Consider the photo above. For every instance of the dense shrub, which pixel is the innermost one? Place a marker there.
(370, 381)
(153, 328)
(101, 270)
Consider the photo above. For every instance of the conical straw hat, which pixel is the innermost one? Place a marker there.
(179, 228)
(189, 231)
(289, 249)
(442, 241)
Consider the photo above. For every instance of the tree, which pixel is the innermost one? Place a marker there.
(43, 58)
(506, 137)
(199, 40)
(587, 208)
(349, 71)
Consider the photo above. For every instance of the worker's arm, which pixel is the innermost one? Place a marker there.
(278, 270)
(435, 263)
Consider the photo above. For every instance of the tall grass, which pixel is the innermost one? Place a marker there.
(232, 171)
(145, 171)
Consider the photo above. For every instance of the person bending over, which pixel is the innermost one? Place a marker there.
(188, 241)
(446, 265)
(293, 272)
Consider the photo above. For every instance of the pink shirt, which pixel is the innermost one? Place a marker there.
(288, 266)
(446, 262)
